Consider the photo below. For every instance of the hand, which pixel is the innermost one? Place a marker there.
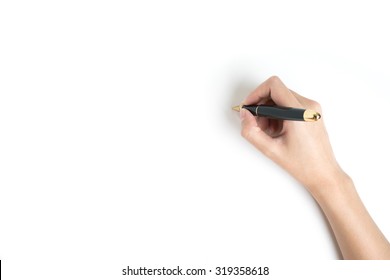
(301, 148)
(304, 150)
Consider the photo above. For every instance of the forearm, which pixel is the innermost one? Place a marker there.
(356, 233)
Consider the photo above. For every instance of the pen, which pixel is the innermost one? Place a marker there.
(281, 113)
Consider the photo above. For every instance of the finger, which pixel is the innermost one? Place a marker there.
(274, 89)
(306, 102)
(263, 123)
(253, 133)
(300, 98)
(274, 128)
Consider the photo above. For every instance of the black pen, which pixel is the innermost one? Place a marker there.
(281, 113)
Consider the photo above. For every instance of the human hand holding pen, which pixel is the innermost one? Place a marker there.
(304, 150)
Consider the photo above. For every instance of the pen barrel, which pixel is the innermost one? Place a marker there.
(277, 112)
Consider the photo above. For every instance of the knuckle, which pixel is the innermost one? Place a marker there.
(249, 132)
(315, 105)
(274, 79)
(245, 133)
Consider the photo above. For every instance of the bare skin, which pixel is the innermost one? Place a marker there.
(303, 150)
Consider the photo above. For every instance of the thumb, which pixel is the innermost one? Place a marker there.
(251, 131)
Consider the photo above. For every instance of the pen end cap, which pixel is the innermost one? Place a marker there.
(311, 116)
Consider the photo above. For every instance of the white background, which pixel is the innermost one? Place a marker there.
(118, 145)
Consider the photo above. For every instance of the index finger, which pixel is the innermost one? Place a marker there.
(273, 88)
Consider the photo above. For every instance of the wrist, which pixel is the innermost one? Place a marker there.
(325, 190)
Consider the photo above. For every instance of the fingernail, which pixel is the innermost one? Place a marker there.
(242, 114)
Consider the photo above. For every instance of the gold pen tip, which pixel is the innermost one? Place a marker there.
(237, 108)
